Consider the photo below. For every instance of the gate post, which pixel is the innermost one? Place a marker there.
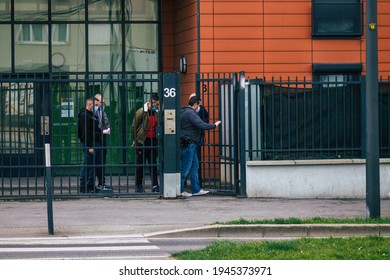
(241, 86)
(171, 135)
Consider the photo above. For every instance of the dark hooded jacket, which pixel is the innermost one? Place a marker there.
(191, 125)
(88, 129)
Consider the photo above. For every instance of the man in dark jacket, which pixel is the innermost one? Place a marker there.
(90, 136)
(191, 127)
(143, 128)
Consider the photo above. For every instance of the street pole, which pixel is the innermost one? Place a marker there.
(372, 115)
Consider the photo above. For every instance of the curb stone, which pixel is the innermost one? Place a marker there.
(292, 231)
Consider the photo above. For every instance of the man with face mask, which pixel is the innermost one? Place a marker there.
(104, 126)
(191, 127)
(204, 115)
(90, 136)
(143, 129)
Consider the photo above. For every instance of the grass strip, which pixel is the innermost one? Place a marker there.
(352, 248)
(314, 220)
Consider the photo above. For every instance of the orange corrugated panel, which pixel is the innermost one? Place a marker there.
(206, 68)
(249, 32)
(207, 33)
(287, 20)
(185, 24)
(237, 20)
(206, 20)
(238, 57)
(341, 45)
(206, 45)
(383, 7)
(187, 36)
(288, 57)
(238, 7)
(206, 8)
(337, 57)
(384, 44)
(384, 68)
(291, 7)
(384, 56)
(238, 45)
(236, 67)
(384, 31)
(287, 45)
(207, 57)
(288, 68)
(300, 32)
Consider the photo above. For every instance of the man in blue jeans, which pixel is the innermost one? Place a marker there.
(191, 127)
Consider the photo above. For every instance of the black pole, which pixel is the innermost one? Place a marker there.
(372, 115)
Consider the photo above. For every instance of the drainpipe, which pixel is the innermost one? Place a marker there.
(198, 34)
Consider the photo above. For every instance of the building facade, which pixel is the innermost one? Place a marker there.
(78, 48)
(291, 38)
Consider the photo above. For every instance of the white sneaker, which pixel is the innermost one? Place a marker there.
(201, 192)
(186, 194)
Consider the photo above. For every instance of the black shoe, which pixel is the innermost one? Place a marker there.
(156, 188)
(140, 189)
(88, 189)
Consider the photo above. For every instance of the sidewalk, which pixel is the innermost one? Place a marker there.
(156, 217)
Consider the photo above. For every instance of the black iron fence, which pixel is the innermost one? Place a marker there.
(37, 109)
(261, 120)
(289, 120)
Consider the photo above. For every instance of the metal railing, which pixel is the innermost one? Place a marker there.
(290, 120)
(38, 109)
(261, 120)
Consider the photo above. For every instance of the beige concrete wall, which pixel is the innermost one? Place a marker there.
(340, 178)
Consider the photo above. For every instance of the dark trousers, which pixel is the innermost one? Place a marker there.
(104, 155)
(147, 153)
(93, 167)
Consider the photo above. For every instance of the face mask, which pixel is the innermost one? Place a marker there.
(197, 109)
(95, 108)
(154, 109)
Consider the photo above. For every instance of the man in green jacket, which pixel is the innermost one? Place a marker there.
(143, 129)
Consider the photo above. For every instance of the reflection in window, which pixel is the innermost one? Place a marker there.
(5, 10)
(32, 10)
(103, 34)
(38, 33)
(67, 10)
(105, 52)
(17, 125)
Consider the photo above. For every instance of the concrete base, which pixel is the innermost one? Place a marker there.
(339, 178)
(171, 185)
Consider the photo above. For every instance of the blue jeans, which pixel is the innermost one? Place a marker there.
(189, 165)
